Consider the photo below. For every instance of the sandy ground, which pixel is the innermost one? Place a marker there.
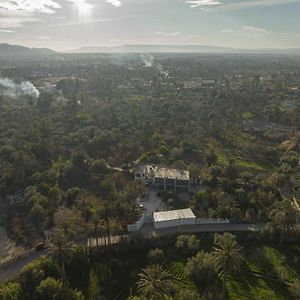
(8, 248)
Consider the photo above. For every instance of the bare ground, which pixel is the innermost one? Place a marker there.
(8, 248)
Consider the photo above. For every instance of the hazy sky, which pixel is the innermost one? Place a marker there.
(69, 24)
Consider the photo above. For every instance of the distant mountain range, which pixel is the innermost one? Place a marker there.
(7, 50)
(180, 49)
(16, 50)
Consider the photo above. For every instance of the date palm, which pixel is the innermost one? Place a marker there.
(155, 283)
(227, 255)
(60, 248)
(284, 217)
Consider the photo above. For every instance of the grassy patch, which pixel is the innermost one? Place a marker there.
(247, 115)
(263, 275)
(251, 164)
(223, 159)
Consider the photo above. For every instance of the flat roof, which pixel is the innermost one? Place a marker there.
(163, 216)
(163, 172)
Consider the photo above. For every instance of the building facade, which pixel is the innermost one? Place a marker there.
(162, 178)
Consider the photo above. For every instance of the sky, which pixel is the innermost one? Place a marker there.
(70, 24)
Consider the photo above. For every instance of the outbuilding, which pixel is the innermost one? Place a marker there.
(173, 218)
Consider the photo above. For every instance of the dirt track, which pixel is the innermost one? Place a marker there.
(8, 248)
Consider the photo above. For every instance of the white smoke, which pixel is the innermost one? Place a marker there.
(11, 88)
(148, 61)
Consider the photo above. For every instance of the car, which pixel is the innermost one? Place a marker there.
(142, 206)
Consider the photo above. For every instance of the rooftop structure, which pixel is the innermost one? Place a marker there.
(163, 178)
(173, 218)
(173, 215)
(162, 172)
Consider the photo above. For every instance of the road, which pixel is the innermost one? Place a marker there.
(147, 231)
(9, 272)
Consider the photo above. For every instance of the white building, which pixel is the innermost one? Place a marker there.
(163, 178)
(173, 218)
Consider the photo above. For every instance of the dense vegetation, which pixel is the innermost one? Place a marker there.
(233, 121)
(182, 267)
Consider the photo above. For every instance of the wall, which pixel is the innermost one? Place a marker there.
(137, 226)
(175, 223)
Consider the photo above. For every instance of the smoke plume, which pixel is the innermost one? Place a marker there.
(11, 88)
(148, 61)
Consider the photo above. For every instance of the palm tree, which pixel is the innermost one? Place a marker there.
(155, 283)
(106, 214)
(60, 248)
(284, 217)
(227, 255)
(95, 221)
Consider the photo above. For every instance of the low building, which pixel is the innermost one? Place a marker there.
(173, 218)
(163, 178)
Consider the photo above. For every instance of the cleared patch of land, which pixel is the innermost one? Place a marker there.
(8, 249)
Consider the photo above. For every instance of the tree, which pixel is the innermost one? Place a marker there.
(59, 249)
(187, 244)
(68, 220)
(227, 255)
(95, 222)
(33, 273)
(283, 218)
(94, 290)
(231, 170)
(201, 269)
(11, 291)
(155, 283)
(156, 256)
(52, 289)
(185, 294)
(36, 216)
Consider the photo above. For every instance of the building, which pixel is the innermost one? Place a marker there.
(173, 218)
(162, 178)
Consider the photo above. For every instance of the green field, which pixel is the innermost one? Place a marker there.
(266, 274)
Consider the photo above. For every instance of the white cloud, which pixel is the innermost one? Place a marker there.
(176, 33)
(40, 6)
(43, 38)
(195, 36)
(11, 19)
(227, 30)
(201, 3)
(237, 5)
(6, 31)
(255, 29)
(31, 6)
(116, 3)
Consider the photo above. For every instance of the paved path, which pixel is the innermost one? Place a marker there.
(9, 272)
(147, 231)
